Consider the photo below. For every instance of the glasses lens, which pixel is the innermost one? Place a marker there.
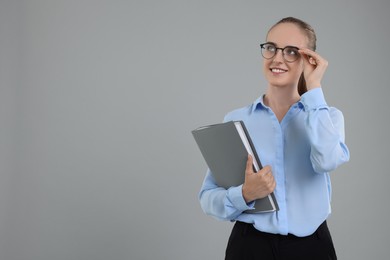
(290, 54)
(268, 50)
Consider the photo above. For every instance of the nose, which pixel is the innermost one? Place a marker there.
(278, 56)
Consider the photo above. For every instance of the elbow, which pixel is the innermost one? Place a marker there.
(326, 163)
(208, 204)
(323, 167)
(204, 204)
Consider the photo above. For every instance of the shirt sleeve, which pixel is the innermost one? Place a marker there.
(221, 203)
(325, 129)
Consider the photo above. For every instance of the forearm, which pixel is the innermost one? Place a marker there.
(223, 204)
(325, 129)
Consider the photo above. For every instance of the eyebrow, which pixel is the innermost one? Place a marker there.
(291, 46)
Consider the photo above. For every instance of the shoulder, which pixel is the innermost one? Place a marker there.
(239, 113)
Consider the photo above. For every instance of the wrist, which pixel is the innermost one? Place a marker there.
(313, 85)
(245, 195)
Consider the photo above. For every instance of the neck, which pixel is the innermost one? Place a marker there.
(280, 99)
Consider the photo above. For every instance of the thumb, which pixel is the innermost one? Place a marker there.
(249, 165)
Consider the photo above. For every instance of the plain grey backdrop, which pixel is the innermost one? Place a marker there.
(98, 98)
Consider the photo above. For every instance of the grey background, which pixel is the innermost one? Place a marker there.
(98, 98)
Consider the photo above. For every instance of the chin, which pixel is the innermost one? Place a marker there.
(279, 83)
(282, 82)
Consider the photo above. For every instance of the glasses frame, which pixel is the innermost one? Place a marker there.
(282, 49)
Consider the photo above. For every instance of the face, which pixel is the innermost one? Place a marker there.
(279, 72)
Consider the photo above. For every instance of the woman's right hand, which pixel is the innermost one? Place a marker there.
(259, 184)
(314, 67)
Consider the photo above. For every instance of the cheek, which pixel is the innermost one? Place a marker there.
(266, 65)
(299, 67)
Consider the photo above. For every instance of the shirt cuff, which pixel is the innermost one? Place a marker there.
(235, 196)
(313, 99)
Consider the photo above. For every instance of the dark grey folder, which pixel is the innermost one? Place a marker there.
(225, 148)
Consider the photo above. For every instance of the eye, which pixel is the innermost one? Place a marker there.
(291, 51)
(270, 47)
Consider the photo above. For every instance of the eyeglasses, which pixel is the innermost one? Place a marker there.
(269, 50)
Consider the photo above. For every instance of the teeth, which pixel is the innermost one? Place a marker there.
(277, 70)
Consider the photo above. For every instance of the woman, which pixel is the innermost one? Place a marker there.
(299, 139)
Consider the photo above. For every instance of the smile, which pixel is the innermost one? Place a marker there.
(277, 70)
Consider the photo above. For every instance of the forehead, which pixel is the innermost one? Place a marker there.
(287, 34)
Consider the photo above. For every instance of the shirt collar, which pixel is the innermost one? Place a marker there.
(259, 104)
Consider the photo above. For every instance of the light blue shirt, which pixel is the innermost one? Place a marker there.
(301, 149)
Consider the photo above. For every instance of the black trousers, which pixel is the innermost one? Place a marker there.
(246, 243)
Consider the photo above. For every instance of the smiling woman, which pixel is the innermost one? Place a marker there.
(310, 34)
(299, 139)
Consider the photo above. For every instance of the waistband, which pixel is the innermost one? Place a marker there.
(250, 229)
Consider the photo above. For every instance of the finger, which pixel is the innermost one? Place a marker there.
(308, 59)
(313, 57)
(266, 170)
(270, 183)
(309, 52)
(249, 164)
(273, 185)
(312, 61)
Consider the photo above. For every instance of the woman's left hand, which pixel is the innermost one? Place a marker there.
(314, 67)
